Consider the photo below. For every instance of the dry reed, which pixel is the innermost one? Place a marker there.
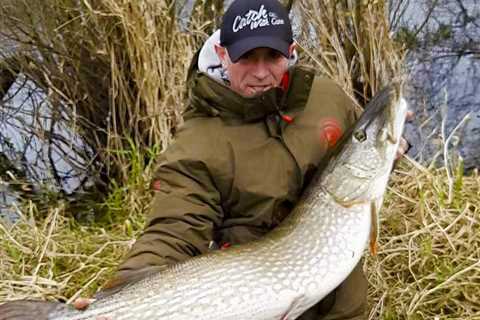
(114, 67)
(118, 67)
(428, 264)
(349, 42)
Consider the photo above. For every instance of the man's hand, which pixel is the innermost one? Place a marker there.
(403, 145)
(121, 279)
(116, 283)
(82, 303)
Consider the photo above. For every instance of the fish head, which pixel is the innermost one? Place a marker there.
(360, 166)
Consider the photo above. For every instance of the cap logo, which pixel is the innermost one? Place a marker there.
(256, 19)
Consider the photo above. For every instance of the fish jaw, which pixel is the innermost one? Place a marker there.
(359, 172)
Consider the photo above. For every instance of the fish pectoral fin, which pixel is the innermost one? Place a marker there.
(26, 310)
(125, 278)
(374, 211)
(346, 201)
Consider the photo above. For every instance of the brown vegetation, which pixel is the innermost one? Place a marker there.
(117, 68)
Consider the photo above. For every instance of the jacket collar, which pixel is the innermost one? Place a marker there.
(209, 97)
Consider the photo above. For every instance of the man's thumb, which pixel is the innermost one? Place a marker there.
(82, 303)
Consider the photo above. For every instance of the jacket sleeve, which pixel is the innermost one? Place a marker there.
(184, 212)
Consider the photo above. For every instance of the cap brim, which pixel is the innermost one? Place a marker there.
(239, 48)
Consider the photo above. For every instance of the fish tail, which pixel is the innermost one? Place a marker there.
(26, 310)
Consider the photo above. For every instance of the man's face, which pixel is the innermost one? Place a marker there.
(256, 71)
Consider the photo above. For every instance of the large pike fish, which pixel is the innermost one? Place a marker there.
(280, 276)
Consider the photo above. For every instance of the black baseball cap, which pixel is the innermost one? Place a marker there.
(250, 24)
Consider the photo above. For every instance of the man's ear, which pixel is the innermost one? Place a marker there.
(291, 48)
(221, 53)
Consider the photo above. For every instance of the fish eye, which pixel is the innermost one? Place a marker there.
(360, 135)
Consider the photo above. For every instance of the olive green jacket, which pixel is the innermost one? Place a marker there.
(238, 165)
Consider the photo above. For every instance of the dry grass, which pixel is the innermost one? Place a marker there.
(429, 260)
(49, 254)
(428, 263)
(56, 258)
(113, 67)
(118, 68)
(349, 41)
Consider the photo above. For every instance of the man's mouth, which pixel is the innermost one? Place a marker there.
(259, 88)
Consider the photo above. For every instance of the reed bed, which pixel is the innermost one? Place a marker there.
(427, 266)
(117, 68)
(349, 41)
(113, 68)
(52, 254)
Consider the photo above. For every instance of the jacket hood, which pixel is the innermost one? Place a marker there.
(210, 94)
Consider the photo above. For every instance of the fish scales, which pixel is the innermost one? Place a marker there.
(291, 267)
(294, 266)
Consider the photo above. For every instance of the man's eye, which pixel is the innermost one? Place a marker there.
(246, 55)
(273, 54)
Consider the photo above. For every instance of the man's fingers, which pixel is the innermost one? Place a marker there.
(403, 144)
(398, 155)
(82, 303)
(403, 147)
(410, 115)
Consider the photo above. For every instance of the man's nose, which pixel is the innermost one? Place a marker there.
(260, 69)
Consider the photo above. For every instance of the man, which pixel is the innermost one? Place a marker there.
(256, 127)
